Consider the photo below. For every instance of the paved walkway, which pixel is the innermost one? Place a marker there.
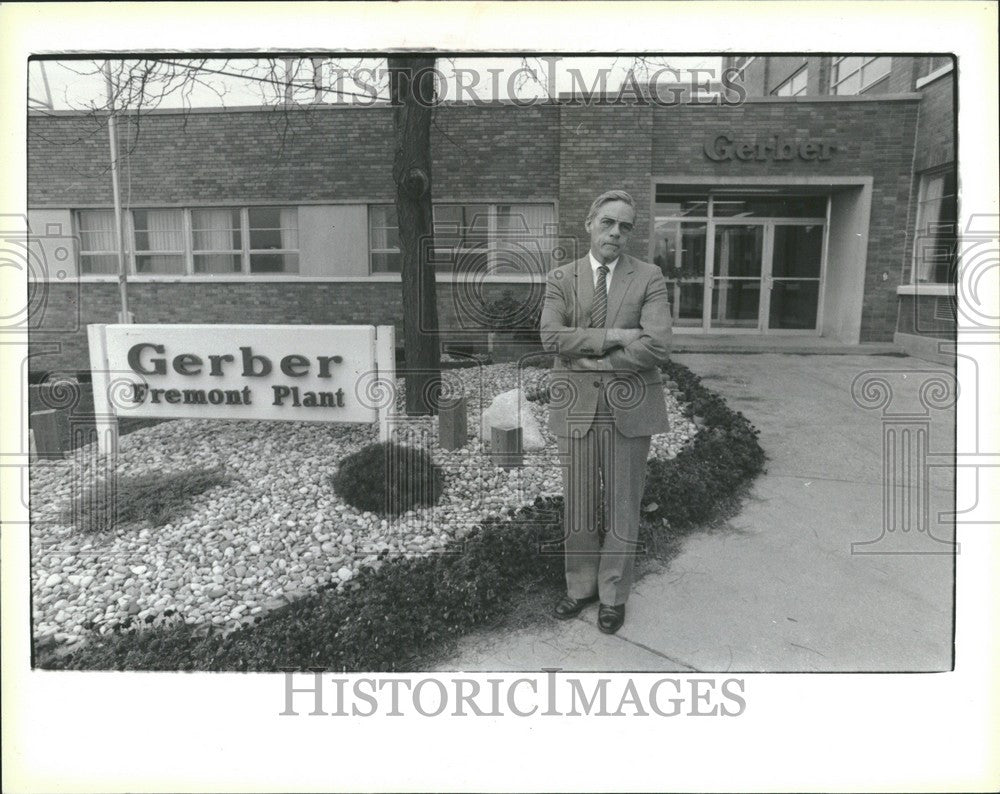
(782, 588)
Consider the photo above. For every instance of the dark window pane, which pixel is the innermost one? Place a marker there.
(769, 207)
(735, 304)
(159, 263)
(217, 263)
(738, 251)
(273, 228)
(472, 260)
(794, 304)
(97, 264)
(665, 246)
(274, 263)
(798, 251)
(386, 262)
(693, 236)
(674, 205)
(263, 239)
(265, 218)
(384, 215)
(686, 300)
(691, 261)
(934, 250)
(442, 257)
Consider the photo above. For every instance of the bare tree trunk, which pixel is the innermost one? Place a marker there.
(411, 90)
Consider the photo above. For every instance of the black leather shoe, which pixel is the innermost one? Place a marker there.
(610, 619)
(571, 607)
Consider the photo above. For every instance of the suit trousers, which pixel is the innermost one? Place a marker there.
(604, 474)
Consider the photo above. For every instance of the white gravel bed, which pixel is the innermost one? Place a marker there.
(278, 530)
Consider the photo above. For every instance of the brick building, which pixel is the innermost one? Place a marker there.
(793, 212)
(925, 283)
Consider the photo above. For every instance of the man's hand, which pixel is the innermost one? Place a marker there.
(591, 364)
(621, 337)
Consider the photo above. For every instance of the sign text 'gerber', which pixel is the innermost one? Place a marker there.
(341, 373)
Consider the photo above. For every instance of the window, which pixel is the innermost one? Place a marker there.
(203, 241)
(526, 235)
(274, 240)
(98, 249)
(217, 241)
(499, 239)
(794, 85)
(741, 62)
(461, 237)
(935, 241)
(159, 241)
(383, 239)
(855, 74)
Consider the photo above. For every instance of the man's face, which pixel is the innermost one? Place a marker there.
(610, 230)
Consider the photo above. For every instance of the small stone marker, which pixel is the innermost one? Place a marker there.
(505, 447)
(453, 425)
(49, 427)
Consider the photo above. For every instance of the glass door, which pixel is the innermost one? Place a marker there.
(737, 261)
(794, 276)
(679, 251)
(737, 275)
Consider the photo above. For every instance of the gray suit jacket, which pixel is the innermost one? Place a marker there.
(633, 383)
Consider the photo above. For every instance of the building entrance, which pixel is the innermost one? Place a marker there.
(742, 264)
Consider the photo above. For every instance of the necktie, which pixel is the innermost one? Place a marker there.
(599, 312)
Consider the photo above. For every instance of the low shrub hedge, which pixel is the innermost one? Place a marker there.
(393, 617)
(388, 478)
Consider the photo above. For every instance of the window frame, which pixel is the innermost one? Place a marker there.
(249, 250)
(195, 252)
(837, 79)
(918, 232)
(802, 70)
(491, 234)
(183, 252)
(187, 236)
(384, 251)
(742, 68)
(81, 253)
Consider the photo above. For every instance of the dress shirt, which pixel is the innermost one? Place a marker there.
(594, 264)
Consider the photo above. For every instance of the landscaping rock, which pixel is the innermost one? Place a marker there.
(235, 547)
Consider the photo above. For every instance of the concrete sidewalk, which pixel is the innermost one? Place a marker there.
(781, 588)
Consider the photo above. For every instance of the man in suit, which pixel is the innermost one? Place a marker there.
(607, 319)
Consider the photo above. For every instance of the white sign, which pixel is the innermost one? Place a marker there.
(318, 373)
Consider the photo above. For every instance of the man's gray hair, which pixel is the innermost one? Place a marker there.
(604, 198)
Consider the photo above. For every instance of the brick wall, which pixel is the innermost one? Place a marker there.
(57, 346)
(304, 155)
(603, 148)
(934, 147)
(935, 126)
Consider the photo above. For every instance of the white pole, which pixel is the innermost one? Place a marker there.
(119, 226)
(105, 417)
(385, 363)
